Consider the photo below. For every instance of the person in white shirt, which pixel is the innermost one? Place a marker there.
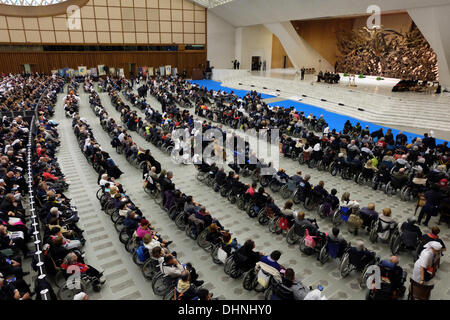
(426, 260)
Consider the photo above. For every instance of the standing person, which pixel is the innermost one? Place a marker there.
(425, 267)
(238, 64)
(264, 65)
(235, 64)
(303, 70)
(132, 80)
(431, 208)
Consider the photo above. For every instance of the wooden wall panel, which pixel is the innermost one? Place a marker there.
(46, 61)
(278, 54)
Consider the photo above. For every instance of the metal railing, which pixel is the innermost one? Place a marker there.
(35, 222)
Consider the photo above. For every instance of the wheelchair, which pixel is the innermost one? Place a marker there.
(393, 186)
(411, 192)
(314, 201)
(356, 260)
(386, 290)
(194, 227)
(69, 290)
(379, 226)
(342, 215)
(150, 268)
(288, 189)
(297, 232)
(277, 225)
(181, 220)
(259, 279)
(265, 215)
(313, 244)
(276, 183)
(203, 243)
(278, 291)
(397, 243)
(219, 255)
(231, 267)
(162, 284)
(366, 176)
(332, 249)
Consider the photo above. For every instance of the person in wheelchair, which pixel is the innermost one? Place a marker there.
(289, 288)
(368, 215)
(228, 243)
(382, 177)
(410, 233)
(185, 289)
(173, 269)
(245, 258)
(360, 256)
(387, 224)
(72, 260)
(330, 204)
(392, 281)
(281, 176)
(336, 244)
(272, 260)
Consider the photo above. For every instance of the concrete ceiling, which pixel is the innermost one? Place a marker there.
(241, 13)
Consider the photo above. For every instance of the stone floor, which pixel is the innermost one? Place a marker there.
(124, 278)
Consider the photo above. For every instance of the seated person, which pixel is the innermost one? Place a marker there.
(433, 236)
(411, 233)
(72, 259)
(229, 243)
(245, 257)
(185, 289)
(13, 289)
(340, 241)
(302, 223)
(368, 214)
(387, 224)
(272, 260)
(359, 255)
(298, 290)
(392, 272)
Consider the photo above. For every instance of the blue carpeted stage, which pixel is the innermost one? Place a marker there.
(335, 120)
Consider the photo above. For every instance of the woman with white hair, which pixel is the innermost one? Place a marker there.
(425, 267)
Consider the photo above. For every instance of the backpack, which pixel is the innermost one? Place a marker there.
(142, 253)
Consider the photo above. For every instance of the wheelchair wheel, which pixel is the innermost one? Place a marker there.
(304, 248)
(363, 277)
(148, 269)
(109, 208)
(99, 193)
(232, 198)
(60, 279)
(160, 285)
(190, 232)
(124, 236)
(202, 242)
(285, 192)
(406, 194)
(65, 293)
(136, 259)
(337, 220)
(301, 160)
(344, 266)
(263, 219)
(275, 186)
(373, 236)
(292, 237)
(333, 169)
(251, 211)
(395, 243)
(214, 254)
(360, 179)
(118, 225)
(320, 166)
(274, 225)
(249, 282)
(115, 215)
(297, 198)
(323, 255)
(169, 296)
(240, 202)
(130, 245)
(223, 192)
(179, 221)
(312, 164)
(264, 181)
(309, 205)
(268, 293)
(201, 176)
(173, 212)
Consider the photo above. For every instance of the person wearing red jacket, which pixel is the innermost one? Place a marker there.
(72, 260)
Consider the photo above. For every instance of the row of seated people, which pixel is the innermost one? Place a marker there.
(367, 214)
(141, 230)
(62, 237)
(25, 93)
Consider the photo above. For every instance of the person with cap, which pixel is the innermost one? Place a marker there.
(426, 265)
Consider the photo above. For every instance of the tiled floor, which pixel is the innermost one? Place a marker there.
(124, 278)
